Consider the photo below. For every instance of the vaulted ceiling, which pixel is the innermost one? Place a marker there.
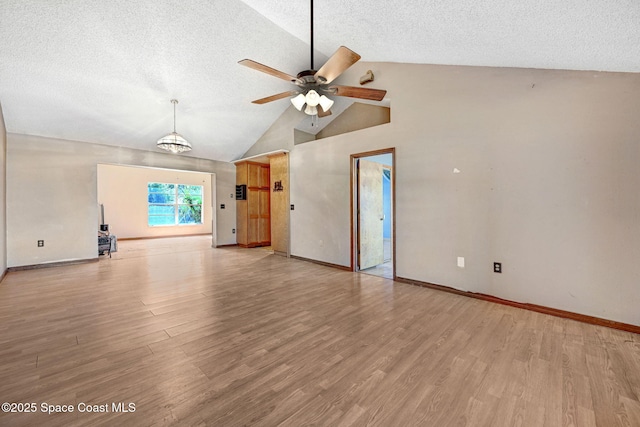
(105, 71)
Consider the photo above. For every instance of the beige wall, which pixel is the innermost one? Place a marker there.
(123, 192)
(3, 195)
(279, 171)
(548, 183)
(52, 195)
(357, 116)
(279, 135)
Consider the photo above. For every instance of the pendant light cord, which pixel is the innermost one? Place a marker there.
(174, 102)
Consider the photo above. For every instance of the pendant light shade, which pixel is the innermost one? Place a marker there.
(174, 142)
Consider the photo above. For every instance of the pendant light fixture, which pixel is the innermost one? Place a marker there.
(174, 142)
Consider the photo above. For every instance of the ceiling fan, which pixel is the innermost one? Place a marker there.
(312, 87)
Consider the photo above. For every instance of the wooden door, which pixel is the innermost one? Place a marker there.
(264, 177)
(264, 233)
(370, 214)
(254, 173)
(242, 212)
(253, 216)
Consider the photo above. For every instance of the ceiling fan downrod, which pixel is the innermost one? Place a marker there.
(311, 35)
(313, 86)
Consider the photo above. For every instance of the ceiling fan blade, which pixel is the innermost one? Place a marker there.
(342, 59)
(322, 113)
(274, 97)
(265, 69)
(359, 92)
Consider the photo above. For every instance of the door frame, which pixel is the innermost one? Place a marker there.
(214, 212)
(353, 204)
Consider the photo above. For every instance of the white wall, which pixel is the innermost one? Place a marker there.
(52, 195)
(123, 192)
(3, 195)
(549, 184)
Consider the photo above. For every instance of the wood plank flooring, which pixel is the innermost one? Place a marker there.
(229, 337)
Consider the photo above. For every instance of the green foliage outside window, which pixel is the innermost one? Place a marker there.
(174, 204)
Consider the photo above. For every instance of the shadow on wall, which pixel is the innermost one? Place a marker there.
(355, 117)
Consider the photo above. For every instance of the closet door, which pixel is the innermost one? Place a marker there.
(265, 219)
(254, 214)
(254, 175)
(254, 220)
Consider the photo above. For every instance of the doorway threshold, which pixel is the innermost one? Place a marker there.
(382, 270)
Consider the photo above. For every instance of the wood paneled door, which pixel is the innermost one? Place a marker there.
(253, 214)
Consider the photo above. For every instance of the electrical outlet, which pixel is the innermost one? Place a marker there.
(461, 261)
(291, 207)
(222, 206)
(233, 231)
(497, 267)
(40, 243)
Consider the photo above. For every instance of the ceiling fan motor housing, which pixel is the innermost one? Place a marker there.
(306, 80)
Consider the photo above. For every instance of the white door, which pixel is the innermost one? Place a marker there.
(370, 214)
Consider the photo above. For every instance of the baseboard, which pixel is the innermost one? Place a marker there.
(52, 264)
(2, 276)
(532, 307)
(231, 245)
(162, 237)
(279, 253)
(326, 264)
(254, 245)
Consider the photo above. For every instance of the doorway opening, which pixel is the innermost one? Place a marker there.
(373, 213)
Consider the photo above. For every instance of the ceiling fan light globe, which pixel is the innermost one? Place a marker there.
(326, 103)
(312, 98)
(299, 101)
(311, 110)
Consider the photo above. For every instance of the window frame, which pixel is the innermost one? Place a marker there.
(176, 196)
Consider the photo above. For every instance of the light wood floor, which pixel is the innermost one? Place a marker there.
(232, 337)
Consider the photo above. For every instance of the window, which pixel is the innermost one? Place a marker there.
(174, 204)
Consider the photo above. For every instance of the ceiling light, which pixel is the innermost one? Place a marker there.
(299, 101)
(312, 98)
(174, 142)
(325, 103)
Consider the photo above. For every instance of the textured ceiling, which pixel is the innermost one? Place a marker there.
(104, 71)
